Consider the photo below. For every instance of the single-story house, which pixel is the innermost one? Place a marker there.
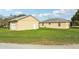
(55, 23)
(24, 23)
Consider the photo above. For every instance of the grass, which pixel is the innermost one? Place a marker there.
(41, 36)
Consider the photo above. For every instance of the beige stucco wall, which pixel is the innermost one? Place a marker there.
(27, 23)
(55, 25)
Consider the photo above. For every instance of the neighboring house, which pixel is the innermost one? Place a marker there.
(24, 23)
(55, 23)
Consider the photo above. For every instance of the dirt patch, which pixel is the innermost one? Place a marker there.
(46, 42)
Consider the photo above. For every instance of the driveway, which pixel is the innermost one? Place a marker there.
(31, 46)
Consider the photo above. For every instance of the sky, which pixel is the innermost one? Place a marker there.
(41, 14)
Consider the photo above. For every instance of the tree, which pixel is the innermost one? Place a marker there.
(75, 19)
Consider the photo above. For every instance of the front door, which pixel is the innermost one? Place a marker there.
(34, 26)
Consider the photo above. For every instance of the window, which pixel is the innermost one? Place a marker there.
(49, 23)
(59, 24)
(42, 24)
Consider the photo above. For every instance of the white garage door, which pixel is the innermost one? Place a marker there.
(12, 26)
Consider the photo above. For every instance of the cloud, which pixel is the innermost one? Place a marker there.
(18, 12)
(64, 11)
(55, 13)
(44, 14)
(41, 14)
(8, 9)
(60, 13)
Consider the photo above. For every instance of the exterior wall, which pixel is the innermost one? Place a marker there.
(27, 23)
(55, 25)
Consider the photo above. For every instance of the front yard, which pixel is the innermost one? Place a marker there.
(40, 36)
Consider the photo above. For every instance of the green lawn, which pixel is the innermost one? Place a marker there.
(41, 36)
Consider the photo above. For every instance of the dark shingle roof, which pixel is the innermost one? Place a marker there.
(56, 20)
(22, 17)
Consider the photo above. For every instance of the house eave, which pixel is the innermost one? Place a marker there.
(54, 22)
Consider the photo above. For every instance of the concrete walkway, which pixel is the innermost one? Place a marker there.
(30, 46)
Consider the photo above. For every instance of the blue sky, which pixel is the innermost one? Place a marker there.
(41, 14)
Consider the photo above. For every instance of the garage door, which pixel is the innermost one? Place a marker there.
(13, 26)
